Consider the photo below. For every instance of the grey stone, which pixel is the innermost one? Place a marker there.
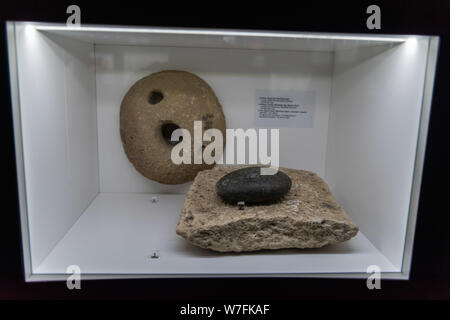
(248, 185)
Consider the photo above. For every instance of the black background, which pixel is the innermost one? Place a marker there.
(430, 276)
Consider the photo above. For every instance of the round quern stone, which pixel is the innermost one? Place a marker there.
(250, 186)
(153, 108)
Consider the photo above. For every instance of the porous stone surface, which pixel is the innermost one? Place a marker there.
(150, 111)
(250, 186)
(307, 217)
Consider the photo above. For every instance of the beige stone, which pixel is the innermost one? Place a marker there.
(162, 98)
(308, 216)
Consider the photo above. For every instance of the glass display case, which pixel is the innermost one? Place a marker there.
(82, 202)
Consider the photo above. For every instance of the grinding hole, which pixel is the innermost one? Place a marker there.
(167, 129)
(155, 97)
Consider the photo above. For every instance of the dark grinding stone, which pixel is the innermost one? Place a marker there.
(250, 186)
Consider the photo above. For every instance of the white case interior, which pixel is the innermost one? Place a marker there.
(84, 204)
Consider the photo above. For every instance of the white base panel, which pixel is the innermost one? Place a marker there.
(119, 231)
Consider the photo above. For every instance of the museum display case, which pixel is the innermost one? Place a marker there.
(363, 131)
